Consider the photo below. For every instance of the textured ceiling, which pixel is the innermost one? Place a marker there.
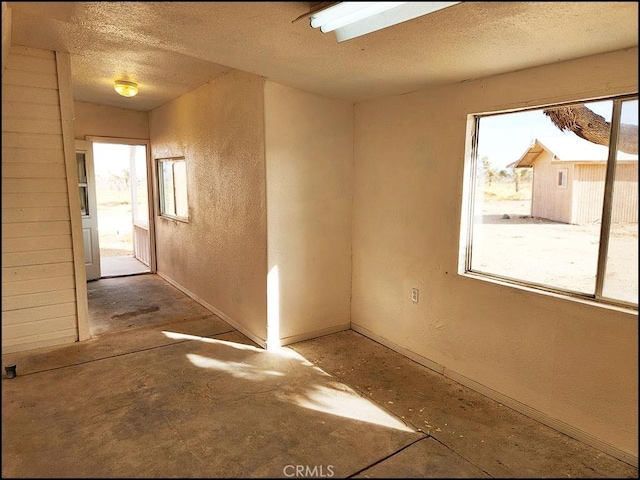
(170, 48)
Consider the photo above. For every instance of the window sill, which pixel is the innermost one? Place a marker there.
(173, 219)
(577, 298)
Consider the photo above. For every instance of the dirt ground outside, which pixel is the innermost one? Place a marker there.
(115, 222)
(509, 243)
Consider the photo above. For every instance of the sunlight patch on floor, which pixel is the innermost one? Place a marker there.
(347, 404)
(332, 398)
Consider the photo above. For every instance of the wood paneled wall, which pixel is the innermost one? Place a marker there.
(38, 282)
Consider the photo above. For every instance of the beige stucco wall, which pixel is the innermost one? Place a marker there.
(220, 256)
(105, 121)
(309, 158)
(573, 362)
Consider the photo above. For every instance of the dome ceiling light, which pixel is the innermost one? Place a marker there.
(126, 89)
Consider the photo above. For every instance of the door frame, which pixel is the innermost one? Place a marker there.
(92, 270)
(150, 186)
(65, 95)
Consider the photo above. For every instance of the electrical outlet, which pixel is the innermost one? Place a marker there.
(414, 295)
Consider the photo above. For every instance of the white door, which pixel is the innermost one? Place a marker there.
(88, 208)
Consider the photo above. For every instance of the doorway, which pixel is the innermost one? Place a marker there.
(117, 229)
(123, 208)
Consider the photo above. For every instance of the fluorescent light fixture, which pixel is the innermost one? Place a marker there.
(353, 19)
(126, 89)
(346, 13)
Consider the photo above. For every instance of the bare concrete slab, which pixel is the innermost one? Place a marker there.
(114, 344)
(427, 458)
(204, 407)
(121, 265)
(177, 392)
(125, 303)
(495, 438)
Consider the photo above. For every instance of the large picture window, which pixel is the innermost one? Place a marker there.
(172, 188)
(554, 199)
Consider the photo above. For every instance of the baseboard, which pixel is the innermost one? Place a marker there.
(530, 412)
(214, 310)
(315, 334)
(545, 419)
(436, 367)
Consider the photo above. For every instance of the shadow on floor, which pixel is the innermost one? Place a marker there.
(166, 388)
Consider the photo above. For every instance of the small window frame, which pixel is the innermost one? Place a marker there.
(170, 209)
(563, 174)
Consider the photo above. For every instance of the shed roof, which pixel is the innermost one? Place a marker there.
(567, 148)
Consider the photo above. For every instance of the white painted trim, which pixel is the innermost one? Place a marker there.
(530, 412)
(315, 334)
(153, 208)
(214, 310)
(151, 182)
(122, 140)
(63, 68)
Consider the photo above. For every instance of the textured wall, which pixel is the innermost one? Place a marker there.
(309, 157)
(572, 361)
(220, 255)
(105, 121)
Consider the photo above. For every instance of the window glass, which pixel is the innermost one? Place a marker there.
(172, 178)
(538, 197)
(180, 179)
(83, 187)
(621, 273)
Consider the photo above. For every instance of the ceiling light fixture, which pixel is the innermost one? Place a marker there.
(126, 89)
(353, 19)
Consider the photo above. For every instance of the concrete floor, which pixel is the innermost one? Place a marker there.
(121, 265)
(168, 389)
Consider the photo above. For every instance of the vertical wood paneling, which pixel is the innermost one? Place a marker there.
(581, 202)
(38, 287)
(625, 194)
(589, 193)
(141, 248)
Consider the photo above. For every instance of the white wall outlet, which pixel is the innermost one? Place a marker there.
(414, 295)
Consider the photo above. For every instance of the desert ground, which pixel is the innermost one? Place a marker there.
(508, 242)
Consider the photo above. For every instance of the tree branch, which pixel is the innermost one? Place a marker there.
(590, 126)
